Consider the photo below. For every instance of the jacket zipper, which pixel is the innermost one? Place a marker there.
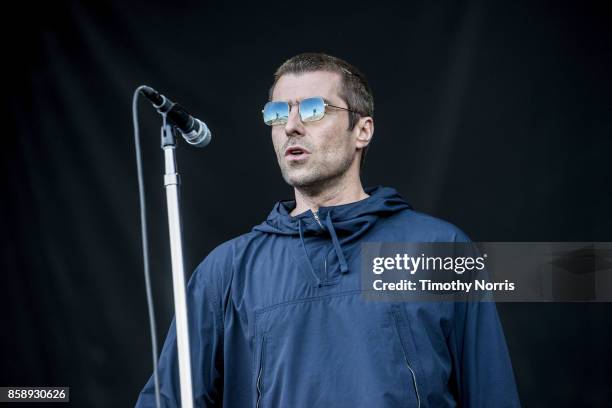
(261, 357)
(316, 217)
(416, 388)
(414, 380)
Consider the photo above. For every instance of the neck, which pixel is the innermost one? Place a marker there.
(334, 192)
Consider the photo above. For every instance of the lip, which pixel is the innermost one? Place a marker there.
(294, 147)
(297, 157)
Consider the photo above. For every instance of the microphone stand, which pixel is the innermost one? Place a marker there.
(171, 183)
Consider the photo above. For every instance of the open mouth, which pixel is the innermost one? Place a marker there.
(296, 153)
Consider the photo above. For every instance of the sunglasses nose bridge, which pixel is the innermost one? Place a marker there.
(294, 111)
(294, 123)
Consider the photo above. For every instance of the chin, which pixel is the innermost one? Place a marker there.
(310, 181)
(301, 178)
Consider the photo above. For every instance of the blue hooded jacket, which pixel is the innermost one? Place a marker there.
(277, 319)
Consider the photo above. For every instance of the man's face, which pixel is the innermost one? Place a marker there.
(329, 146)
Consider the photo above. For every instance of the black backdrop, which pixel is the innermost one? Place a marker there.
(495, 116)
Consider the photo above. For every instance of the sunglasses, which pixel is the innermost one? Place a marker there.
(311, 110)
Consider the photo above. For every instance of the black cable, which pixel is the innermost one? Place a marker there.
(145, 241)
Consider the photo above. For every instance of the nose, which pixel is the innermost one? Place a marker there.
(294, 125)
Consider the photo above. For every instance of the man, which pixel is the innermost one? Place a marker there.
(277, 317)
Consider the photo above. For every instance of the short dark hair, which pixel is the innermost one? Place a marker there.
(354, 88)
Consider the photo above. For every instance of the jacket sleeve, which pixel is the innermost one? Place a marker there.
(483, 370)
(206, 342)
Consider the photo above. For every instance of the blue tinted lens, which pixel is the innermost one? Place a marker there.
(276, 113)
(312, 109)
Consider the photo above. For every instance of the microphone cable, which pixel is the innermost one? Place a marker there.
(145, 241)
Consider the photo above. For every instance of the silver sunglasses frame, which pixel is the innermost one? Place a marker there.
(325, 106)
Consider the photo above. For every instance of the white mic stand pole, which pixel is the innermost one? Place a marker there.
(171, 183)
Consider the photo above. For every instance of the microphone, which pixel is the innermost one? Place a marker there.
(194, 131)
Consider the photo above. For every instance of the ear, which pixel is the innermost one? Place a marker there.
(364, 130)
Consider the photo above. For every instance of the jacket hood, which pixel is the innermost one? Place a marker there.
(352, 217)
(344, 223)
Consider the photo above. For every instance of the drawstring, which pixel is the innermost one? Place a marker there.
(332, 232)
(337, 247)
